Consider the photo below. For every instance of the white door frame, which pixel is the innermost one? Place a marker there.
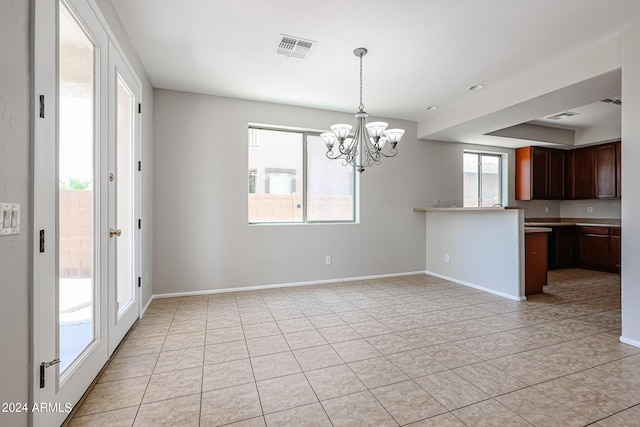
(65, 394)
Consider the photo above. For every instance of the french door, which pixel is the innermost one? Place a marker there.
(124, 233)
(86, 254)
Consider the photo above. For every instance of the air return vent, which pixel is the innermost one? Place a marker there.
(294, 47)
(562, 115)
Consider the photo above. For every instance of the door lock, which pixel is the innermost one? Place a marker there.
(113, 232)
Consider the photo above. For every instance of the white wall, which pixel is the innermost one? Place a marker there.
(15, 183)
(106, 8)
(630, 187)
(202, 239)
(485, 249)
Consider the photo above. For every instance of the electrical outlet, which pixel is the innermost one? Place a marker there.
(546, 209)
(446, 258)
(327, 260)
(590, 209)
(9, 218)
(437, 202)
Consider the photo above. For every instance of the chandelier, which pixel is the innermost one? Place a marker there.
(364, 149)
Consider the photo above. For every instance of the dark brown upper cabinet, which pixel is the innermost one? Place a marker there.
(578, 174)
(605, 171)
(584, 173)
(556, 174)
(539, 173)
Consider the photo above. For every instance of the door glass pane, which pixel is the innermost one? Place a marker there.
(275, 176)
(329, 185)
(124, 182)
(76, 219)
(490, 180)
(470, 169)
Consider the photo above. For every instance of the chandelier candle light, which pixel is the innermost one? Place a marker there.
(364, 149)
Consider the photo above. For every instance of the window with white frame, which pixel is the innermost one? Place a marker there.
(482, 179)
(292, 181)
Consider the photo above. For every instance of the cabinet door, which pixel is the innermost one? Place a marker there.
(556, 174)
(531, 173)
(605, 171)
(539, 173)
(579, 173)
(614, 247)
(535, 269)
(594, 250)
(565, 244)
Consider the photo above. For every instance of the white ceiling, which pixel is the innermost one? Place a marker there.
(586, 115)
(421, 52)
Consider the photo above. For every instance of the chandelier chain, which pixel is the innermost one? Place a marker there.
(361, 104)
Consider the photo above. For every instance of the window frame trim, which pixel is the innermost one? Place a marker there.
(500, 156)
(305, 134)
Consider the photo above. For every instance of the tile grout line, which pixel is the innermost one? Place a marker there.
(482, 359)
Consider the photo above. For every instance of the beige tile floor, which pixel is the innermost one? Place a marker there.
(414, 350)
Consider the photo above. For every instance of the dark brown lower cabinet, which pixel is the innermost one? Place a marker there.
(535, 262)
(599, 248)
(562, 244)
(614, 251)
(592, 247)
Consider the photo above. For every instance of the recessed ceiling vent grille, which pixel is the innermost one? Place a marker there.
(613, 101)
(294, 47)
(563, 115)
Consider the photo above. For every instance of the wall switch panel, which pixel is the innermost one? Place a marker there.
(9, 219)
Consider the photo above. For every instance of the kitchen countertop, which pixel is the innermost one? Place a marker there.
(588, 223)
(460, 209)
(528, 229)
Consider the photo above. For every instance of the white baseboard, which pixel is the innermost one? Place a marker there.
(144, 309)
(629, 341)
(281, 285)
(473, 285)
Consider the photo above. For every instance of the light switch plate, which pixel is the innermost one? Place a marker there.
(9, 219)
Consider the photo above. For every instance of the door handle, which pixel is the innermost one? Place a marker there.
(113, 232)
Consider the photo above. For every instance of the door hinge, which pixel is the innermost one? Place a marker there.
(139, 224)
(42, 106)
(139, 108)
(44, 365)
(139, 166)
(41, 240)
(139, 282)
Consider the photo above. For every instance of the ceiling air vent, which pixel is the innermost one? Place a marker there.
(562, 115)
(295, 47)
(613, 101)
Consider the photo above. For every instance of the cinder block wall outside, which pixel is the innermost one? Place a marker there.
(76, 239)
(284, 207)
